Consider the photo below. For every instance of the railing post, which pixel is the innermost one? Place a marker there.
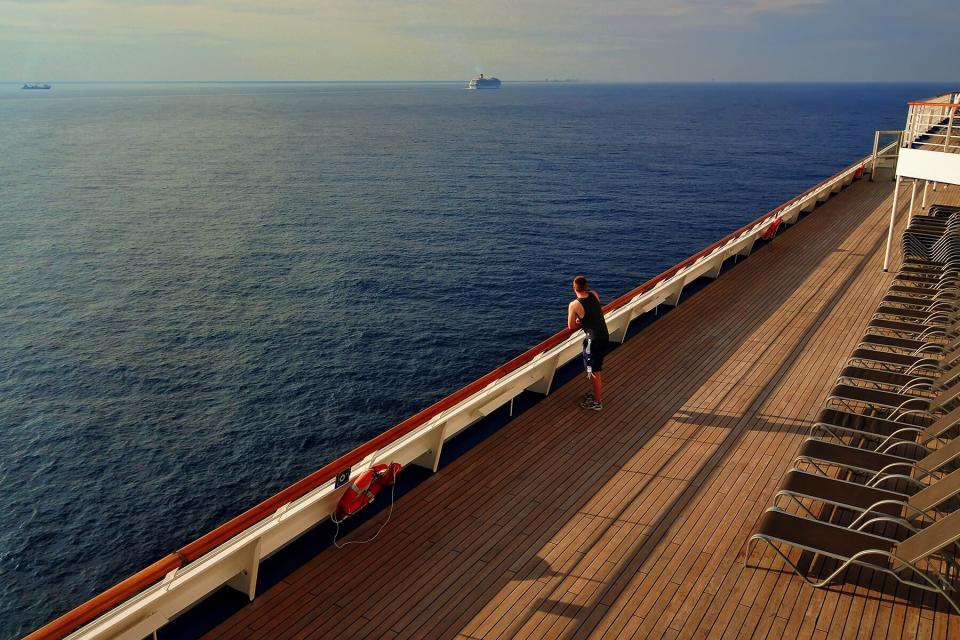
(873, 162)
(923, 201)
(674, 298)
(893, 213)
(246, 582)
(438, 447)
(913, 194)
(911, 124)
(543, 384)
(946, 140)
(908, 126)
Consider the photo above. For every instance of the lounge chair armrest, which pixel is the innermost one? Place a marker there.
(929, 363)
(931, 331)
(898, 443)
(901, 503)
(921, 383)
(905, 430)
(901, 410)
(911, 412)
(930, 347)
(828, 429)
(876, 481)
(893, 519)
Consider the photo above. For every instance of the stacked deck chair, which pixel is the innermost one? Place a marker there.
(877, 483)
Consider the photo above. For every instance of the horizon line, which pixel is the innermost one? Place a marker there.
(457, 81)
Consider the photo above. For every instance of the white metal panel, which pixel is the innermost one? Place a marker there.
(934, 166)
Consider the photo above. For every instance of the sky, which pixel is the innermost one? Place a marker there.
(596, 40)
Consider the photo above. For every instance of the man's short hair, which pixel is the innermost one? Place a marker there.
(580, 283)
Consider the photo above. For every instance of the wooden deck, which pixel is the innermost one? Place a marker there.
(632, 522)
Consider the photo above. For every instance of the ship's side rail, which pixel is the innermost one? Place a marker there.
(934, 124)
(231, 554)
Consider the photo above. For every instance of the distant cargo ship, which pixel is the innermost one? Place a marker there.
(484, 83)
(28, 85)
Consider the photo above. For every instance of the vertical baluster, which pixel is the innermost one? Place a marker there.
(946, 139)
(893, 214)
(911, 119)
(913, 196)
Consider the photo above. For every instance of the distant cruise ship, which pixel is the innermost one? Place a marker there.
(28, 85)
(484, 83)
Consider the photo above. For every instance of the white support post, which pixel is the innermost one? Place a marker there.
(913, 195)
(893, 213)
(246, 582)
(619, 333)
(946, 139)
(438, 446)
(674, 298)
(430, 458)
(923, 201)
(714, 271)
(743, 253)
(543, 384)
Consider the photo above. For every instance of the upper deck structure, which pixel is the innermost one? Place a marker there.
(631, 522)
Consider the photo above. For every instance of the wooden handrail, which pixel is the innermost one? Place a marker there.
(139, 581)
(934, 104)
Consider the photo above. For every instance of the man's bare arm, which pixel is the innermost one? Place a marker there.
(573, 318)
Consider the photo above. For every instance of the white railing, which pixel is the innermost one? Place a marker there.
(934, 124)
(886, 149)
(231, 554)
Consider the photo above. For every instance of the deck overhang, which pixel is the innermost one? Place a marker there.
(930, 165)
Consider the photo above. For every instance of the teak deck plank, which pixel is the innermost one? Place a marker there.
(633, 522)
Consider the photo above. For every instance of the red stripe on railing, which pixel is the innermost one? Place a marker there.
(139, 581)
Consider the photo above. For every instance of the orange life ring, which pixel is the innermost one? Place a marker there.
(772, 229)
(365, 488)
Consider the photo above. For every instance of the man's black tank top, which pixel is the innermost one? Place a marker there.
(592, 321)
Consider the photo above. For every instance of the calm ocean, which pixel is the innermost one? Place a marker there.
(209, 290)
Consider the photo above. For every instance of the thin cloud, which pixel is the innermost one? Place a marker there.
(444, 39)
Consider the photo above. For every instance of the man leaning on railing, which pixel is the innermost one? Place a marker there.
(585, 312)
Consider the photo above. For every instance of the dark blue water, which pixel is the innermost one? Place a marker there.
(208, 291)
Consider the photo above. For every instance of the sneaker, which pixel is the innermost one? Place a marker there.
(592, 405)
(587, 397)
